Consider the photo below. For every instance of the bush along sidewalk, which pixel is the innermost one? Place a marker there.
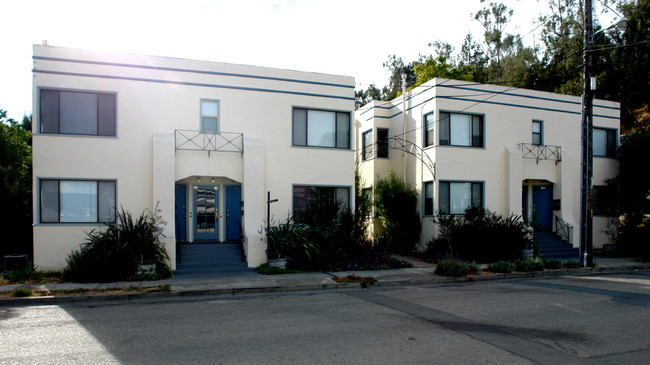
(453, 266)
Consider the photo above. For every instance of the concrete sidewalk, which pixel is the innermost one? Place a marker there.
(420, 274)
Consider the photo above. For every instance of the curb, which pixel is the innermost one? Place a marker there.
(424, 279)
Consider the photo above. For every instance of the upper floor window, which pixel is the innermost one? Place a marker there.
(461, 129)
(83, 113)
(537, 132)
(604, 142)
(367, 152)
(455, 197)
(209, 115)
(429, 120)
(320, 128)
(77, 201)
(382, 142)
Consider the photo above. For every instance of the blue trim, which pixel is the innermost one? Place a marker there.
(193, 84)
(150, 67)
(525, 96)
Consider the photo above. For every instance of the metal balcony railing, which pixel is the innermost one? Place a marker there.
(539, 152)
(562, 228)
(192, 140)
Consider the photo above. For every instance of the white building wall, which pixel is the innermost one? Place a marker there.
(507, 115)
(154, 102)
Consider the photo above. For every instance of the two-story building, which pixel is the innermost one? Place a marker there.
(510, 150)
(204, 141)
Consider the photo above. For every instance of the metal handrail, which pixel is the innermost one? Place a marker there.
(562, 228)
(541, 152)
(193, 140)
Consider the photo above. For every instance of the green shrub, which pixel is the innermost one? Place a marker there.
(22, 274)
(552, 264)
(265, 269)
(571, 264)
(481, 235)
(501, 266)
(116, 253)
(396, 205)
(21, 293)
(529, 264)
(453, 267)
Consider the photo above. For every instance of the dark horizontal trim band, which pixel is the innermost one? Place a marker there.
(193, 84)
(495, 103)
(150, 67)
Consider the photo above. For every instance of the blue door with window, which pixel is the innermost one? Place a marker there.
(233, 212)
(542, 207)
(180, 209)
(206, 212)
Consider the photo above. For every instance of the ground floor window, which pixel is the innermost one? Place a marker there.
(77, 201)
(319, 202)
(455, 197)
(428, 198)
(604, 200)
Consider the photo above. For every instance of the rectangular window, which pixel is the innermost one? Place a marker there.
(319, 128)
(604, 142)
(604, 200)
(382, 142)
(460, 129)
(367, 152)
(429, 120)
(428, 198)
(83, 113)
(210, 115)
(77, 201)
(537, 132)
(319, 201)
(455, 197)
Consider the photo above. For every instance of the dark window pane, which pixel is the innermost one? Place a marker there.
(443, 197)
(106, 200)
(477, 195)
(611, 143)
(49, 201)
(428, 198)
(299, 127)
(342, 130)
(106, 114)
(444, 128)
(49, 111)
(382, 143)
(477, 131)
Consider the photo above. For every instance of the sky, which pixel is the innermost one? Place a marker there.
(341, 37)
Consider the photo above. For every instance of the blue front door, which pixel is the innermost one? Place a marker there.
(180, 209)
(542, 206)
(233, 212)
(206, 209)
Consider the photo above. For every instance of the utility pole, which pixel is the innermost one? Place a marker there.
(404, 154)
(586, 191)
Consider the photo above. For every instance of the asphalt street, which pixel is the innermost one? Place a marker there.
(594, 319)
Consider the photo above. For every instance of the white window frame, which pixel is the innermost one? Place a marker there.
(215, 116)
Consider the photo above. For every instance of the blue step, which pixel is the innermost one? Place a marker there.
(551, 246)
(207, 260)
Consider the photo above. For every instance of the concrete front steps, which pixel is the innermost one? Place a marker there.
(551, 246)
(210, 260)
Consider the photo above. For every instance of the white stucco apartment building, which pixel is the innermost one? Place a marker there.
(205, 141)
(506, 149)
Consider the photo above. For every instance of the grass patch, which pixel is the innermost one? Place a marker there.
(21, 293)
(452, 267)
(265, 269)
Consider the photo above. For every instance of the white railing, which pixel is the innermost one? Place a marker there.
(192, 140)
(539, 152)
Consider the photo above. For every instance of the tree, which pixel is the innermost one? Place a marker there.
(15, 185)
(397, 68)
(500, 45)
(363, 97)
